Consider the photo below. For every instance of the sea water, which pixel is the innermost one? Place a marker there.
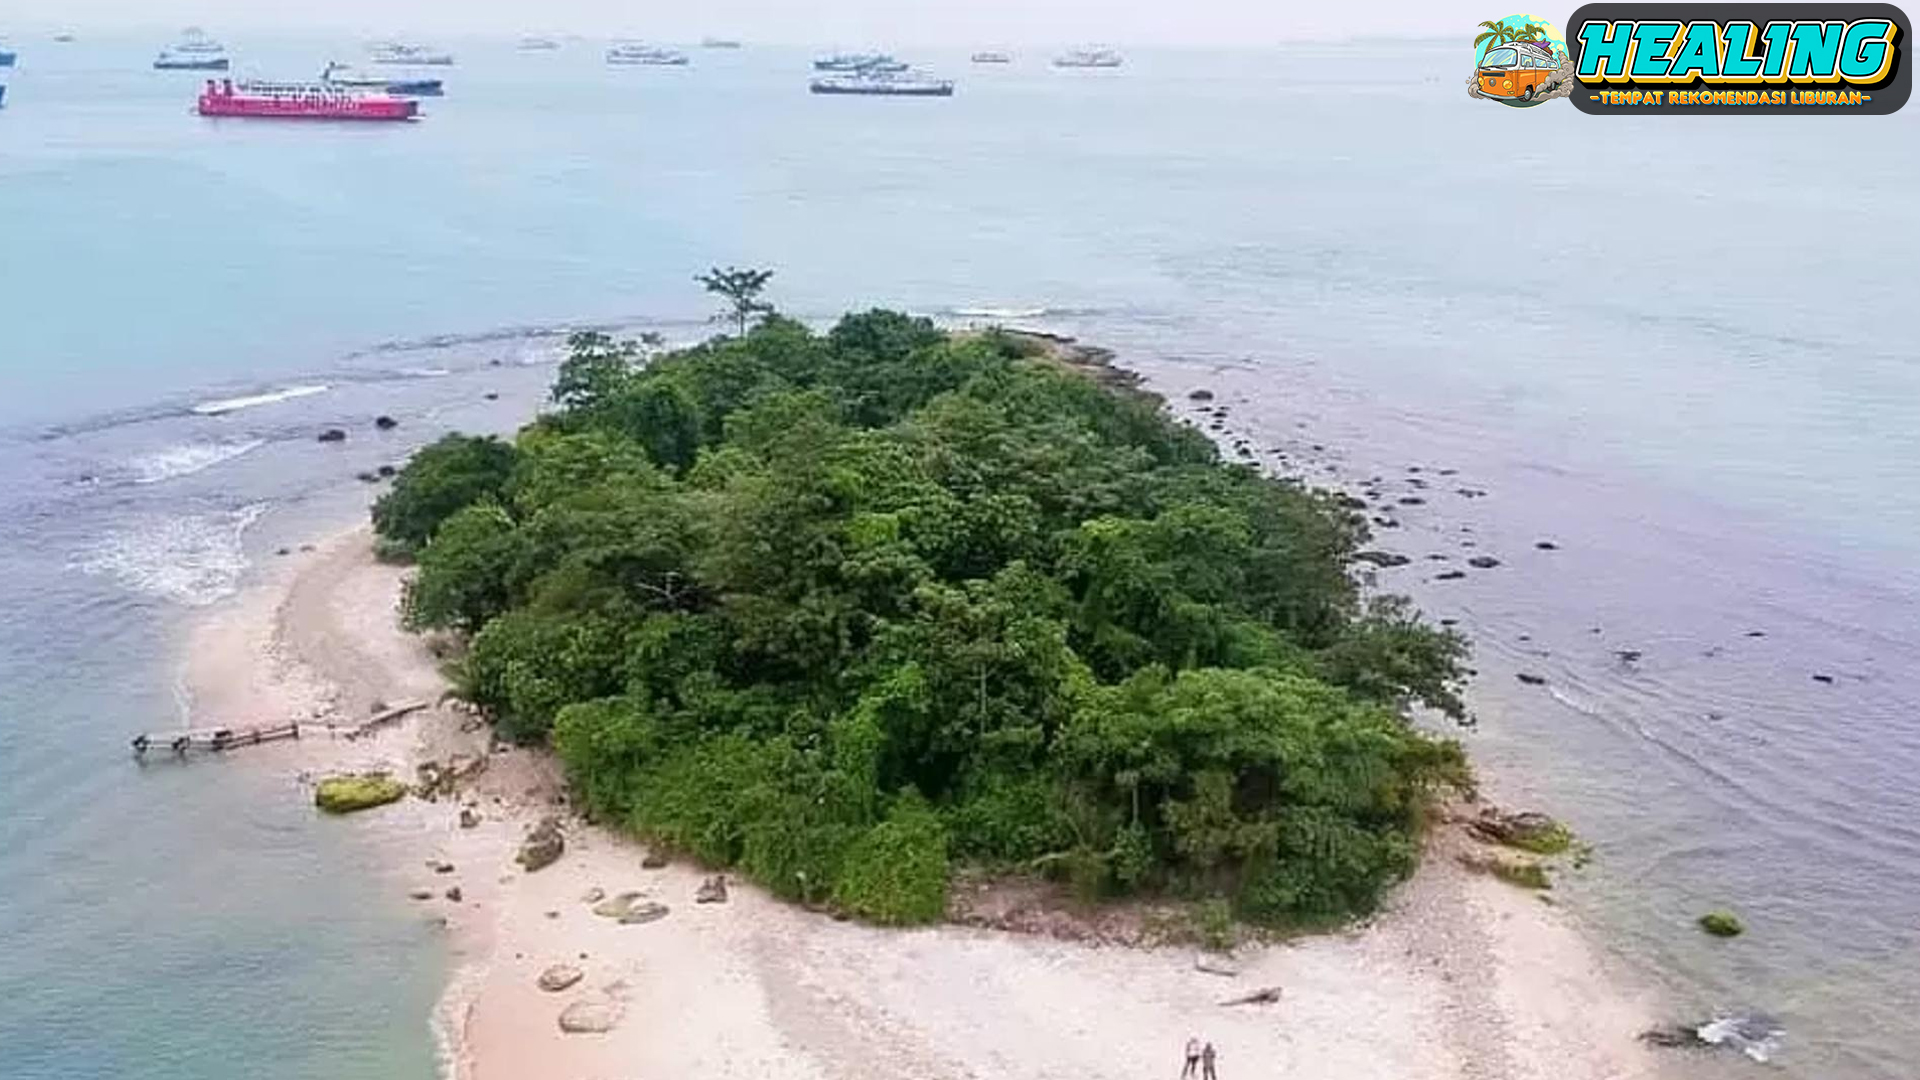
(1679, 349)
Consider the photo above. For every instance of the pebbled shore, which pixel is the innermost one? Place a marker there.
(1462, 976)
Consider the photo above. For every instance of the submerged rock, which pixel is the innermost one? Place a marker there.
(559, 977)
(332, 434)
(1450, 575)
(346, 794)
(1483, 562)
(1722, 924)
(1531, 679)
(1200, 395)
(1382, 559)
(385, 423)
(542, 846)
(1546, 545)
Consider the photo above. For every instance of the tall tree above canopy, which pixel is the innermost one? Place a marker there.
(741, 290)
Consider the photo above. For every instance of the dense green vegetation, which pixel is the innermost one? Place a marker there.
(846, 610)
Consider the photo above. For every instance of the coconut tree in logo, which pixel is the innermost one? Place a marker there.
(1496, 33)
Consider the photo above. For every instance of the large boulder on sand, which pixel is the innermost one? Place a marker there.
(346, 794)
(1527, 830)
(543, 845)
(645, 911)
(588, 1017)
(559, 977)
(712, 891)
(611, 907)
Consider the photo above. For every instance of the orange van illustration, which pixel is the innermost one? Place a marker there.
(1518, 69)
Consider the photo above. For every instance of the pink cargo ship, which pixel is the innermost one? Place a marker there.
(301, 101)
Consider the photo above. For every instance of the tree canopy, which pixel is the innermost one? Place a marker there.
(846, 610)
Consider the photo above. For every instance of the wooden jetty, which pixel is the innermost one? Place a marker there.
(214, 739)
(220, 740)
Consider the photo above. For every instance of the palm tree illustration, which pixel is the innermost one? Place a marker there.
(1498, 33)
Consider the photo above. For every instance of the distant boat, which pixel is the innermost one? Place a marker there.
(390, 52)
(882, 84)
(195, 51)
(63, 38)
(627, 54)
(538, 44)
(878, 63)
(7, 57)
(171, 60)
(352, 78)
(300, 101)
(1088, 58)
(719, 43)
(990, 57)
(195, 42)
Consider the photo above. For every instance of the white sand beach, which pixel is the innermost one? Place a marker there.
(1463, 977)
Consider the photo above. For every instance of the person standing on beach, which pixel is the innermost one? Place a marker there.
(1206, 1064)
(1193, 1058)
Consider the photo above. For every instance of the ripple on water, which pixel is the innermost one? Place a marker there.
(187, 459)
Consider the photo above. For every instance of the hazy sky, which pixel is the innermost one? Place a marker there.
(821, 21)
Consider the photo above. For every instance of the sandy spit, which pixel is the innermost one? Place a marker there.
(1461, 978)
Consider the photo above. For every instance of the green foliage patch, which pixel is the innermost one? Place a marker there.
(843, 610)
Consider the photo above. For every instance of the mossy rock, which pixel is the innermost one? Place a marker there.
(1527, 831)
(1722, 924)
(346, 794)
(1527, 875)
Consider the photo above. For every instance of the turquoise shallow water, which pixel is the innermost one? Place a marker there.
(1679, 347)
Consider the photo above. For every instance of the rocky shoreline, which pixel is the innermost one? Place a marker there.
(573, 948)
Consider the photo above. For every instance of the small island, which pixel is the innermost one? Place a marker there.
(847, 612)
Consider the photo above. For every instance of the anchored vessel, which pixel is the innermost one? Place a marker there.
(875, 63)
(883, 84)
(301, 101)
(392, 52)
(195, 51)
(1088, 58)
(538, 44)
(7, 56)
(632, 53)
(351, 78)
(992, 57)
(719, 43)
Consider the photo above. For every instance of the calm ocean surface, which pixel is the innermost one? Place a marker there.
(1682, 349)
